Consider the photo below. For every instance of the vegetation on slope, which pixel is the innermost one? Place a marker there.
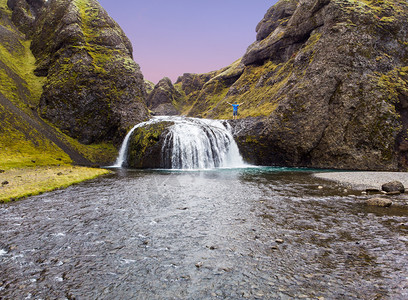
(28, 145)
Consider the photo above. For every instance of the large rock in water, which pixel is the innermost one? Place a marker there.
(94, 90)
(145, 148)
(327, 82)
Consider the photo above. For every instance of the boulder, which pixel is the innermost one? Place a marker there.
(381, 202)
(394, 186)
(145, 146)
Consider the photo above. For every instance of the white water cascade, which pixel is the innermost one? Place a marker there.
(192, 143)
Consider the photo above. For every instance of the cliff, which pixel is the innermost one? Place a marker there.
(94, 90)
(162, 98)
(324, 85)
(69, 87)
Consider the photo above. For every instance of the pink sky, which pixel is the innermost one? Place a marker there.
(185, 36)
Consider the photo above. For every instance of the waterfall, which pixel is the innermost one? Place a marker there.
(192, 143)
(123, 148)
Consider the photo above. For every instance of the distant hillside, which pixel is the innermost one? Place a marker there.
(324, 85)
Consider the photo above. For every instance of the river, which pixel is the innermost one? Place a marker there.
(255, 233)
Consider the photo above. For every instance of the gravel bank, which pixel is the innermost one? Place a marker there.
(364, 180)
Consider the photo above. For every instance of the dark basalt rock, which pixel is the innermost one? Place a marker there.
(278, 14)
(94, 90)
(145, 146)
(161, 99)
(394, 186)
(193, 82)
(24, 13)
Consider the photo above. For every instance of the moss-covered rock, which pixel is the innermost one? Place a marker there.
(146, 144)
(149, 86)
(24, 13)
(94, 90)
(327, 78)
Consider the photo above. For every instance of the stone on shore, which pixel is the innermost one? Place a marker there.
(393, 186)
(380, 202)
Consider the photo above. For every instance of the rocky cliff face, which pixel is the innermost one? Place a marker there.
(94, 90)
(324, 85)
(162, 97)
(87, 85)
(25, 139)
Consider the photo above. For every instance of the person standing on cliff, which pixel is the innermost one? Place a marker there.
(235, 106)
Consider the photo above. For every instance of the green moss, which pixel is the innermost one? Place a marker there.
(260, 99)
(22, 65)
(5, 11)
(96, 153)
(23, 146)
(393, 83)
(377, 10)
(142, 139)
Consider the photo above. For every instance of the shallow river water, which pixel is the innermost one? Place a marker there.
(224, 234)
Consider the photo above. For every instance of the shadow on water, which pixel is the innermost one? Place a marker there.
(250, 233)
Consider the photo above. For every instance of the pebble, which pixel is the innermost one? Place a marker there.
(199, 264)
(279, 241)
(320, 187)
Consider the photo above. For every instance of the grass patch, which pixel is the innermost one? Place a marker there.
(102, 152)
(23, 65)
(27, 182)
(22, 146)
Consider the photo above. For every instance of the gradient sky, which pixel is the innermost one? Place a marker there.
(187, 36)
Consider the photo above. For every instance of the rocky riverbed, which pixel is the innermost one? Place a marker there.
(365, 180)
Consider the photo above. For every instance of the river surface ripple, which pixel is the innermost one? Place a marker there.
(226, 234)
